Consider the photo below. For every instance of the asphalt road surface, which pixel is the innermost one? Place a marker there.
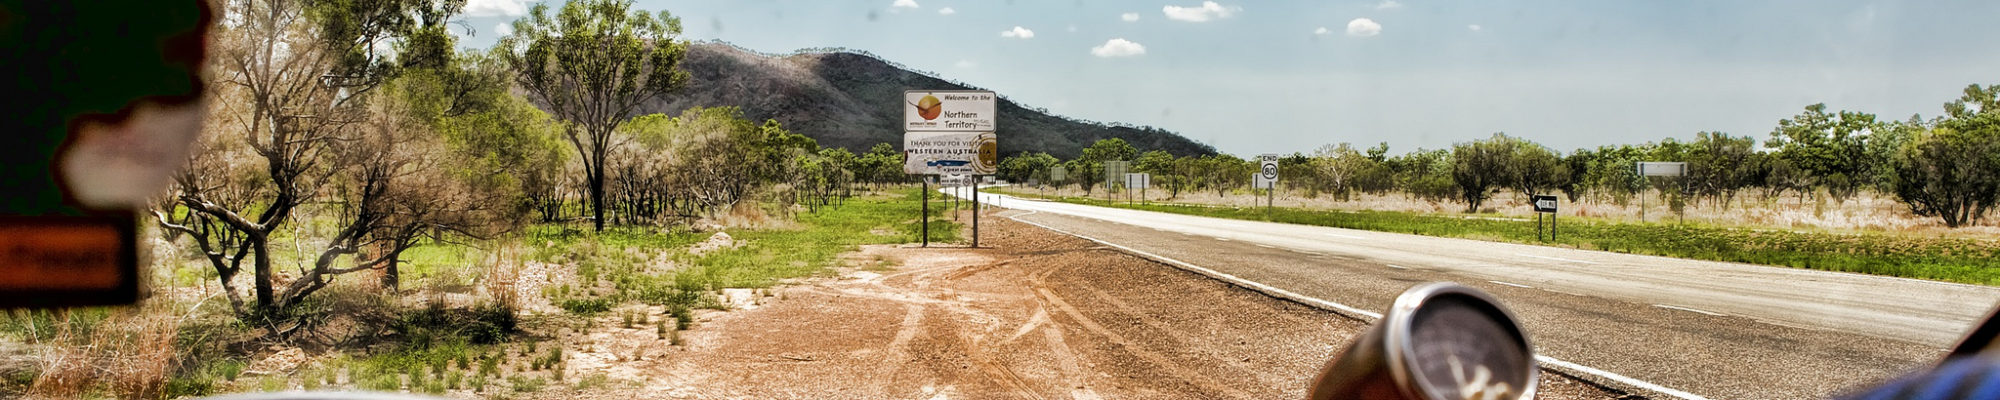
(1656, 326)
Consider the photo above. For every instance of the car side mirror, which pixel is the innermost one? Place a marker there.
(1439, 341)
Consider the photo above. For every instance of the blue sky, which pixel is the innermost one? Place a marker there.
(1262, 76)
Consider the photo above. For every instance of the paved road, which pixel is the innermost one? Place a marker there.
(1694, 328)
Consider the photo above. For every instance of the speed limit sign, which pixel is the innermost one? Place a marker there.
(1267, 172)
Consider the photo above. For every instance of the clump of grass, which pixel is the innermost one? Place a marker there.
(489, 365)
(526, 385)
(592, 381)
(585, 306)
(683, 317)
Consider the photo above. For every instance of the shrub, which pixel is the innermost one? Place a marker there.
(586, 307)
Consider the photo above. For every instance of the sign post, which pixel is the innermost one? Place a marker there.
(1114, 174)
(1545, 204)
(1647, 169)
(926, 193)
(1267, 178)
(1057, 175)
(1137, 180)
(951, 132)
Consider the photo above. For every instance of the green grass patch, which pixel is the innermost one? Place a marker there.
(613, 266)
(1935, 258)
(772, 255)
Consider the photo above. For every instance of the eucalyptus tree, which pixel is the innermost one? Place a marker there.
(592, 64)
(291, 83)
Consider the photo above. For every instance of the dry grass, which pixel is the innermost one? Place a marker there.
(130, 355)
(502, 276)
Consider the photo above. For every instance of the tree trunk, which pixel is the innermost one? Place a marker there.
(597, 193)
(391, 276)
(262, 264)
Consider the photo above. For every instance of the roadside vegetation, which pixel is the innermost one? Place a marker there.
(452, 221)
(1945, 167)
(1964, 260)
(465, 323)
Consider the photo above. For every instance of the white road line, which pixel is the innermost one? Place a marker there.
(1616, 377)
(1266, 246)
(1396, 266)
(1689, 309)
(1360, 313)
(1513, 284)
(1345, 236)
(1222, 239)
(1555, 258)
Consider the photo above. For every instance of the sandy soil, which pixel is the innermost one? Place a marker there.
(1035, 315)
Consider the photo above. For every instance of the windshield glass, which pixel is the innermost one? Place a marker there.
(972, 199)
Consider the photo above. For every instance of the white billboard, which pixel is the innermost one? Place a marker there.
(950, 153)
(949, 110)
(1662, 168)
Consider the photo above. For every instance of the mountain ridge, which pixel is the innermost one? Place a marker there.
(853, 99)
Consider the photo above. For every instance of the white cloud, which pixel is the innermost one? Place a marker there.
(1321, 31)
(503, 29)
(1118, 47)
(1363, 27)
(1129, 17)
(965, 64)
(947, 11)
(1018, 32)
(1072, 28)
(495, 8)
(1388, 4)
(1206, 11)
(905, 4)
(1474, 27)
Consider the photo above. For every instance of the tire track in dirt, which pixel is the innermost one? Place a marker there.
(1142, 351)
(1190, 341)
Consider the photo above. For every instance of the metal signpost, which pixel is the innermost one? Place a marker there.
(1267, 178)
(1114, 174)
(1545, 204)
(950, 132)
(1057, 175)
(1657, 169)
(1137, 180)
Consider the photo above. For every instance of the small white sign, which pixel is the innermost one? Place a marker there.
(1662, 168)
(1058, 174)
(949, 110)
(950, 153)
(1138, 180)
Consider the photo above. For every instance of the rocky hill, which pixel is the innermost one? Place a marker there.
(854, 100)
